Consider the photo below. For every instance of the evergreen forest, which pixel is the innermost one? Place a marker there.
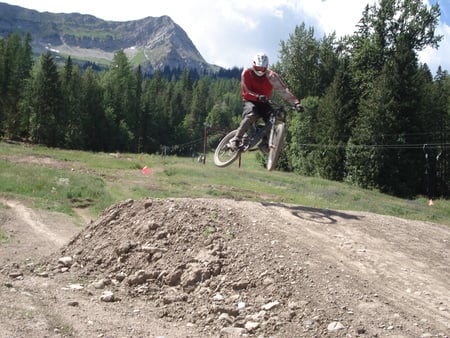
(374, 115)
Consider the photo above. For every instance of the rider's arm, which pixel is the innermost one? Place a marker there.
(280, 88)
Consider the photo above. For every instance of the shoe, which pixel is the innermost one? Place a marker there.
(264, 147)
(235, 143)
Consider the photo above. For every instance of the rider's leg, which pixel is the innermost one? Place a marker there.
(264, 144)
(249, 117)
(246, 122)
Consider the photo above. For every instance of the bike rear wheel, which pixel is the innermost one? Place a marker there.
(275, 145)
(224, 154)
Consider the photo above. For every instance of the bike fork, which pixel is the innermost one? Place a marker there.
(272, 131)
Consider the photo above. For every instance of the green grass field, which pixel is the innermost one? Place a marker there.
(61, 180)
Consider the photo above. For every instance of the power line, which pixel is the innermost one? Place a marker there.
(377, 146)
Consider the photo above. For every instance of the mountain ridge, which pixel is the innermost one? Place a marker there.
(154, 43)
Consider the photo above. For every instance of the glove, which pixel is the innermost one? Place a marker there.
(263, 98)
(299, 107)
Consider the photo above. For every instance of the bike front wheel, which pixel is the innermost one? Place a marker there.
(276, 143)
(224, 154)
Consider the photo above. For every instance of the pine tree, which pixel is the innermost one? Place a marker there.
(46, 103)
(195, 119)
(336, 115)
(154, 108)
(94, 131)
(120, 103)
(299, 62)
(302, 139)
(385, 71)
(15, 65)
(72, 102)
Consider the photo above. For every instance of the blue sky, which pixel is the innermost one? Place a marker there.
(229, 32)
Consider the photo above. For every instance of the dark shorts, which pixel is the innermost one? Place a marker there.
(257, 109)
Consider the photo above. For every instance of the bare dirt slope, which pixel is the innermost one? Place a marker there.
(222, 268)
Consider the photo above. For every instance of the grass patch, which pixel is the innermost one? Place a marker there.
(4, 238)
(207, 231)
(52, 189)
(63, 179)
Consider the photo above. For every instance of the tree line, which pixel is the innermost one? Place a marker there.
(375, 116)
(119, 109)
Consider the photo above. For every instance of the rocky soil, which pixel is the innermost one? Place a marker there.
(222, 268)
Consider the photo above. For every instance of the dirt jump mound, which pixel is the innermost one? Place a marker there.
(230, 268)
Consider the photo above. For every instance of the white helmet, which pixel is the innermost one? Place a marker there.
(260, 64)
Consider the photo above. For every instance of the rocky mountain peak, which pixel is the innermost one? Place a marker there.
(152, 42)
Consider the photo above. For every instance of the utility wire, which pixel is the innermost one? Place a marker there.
(379, 146)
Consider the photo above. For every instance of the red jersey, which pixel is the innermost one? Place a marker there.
(252, 86)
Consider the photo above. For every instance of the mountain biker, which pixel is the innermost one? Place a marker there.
(257, 85)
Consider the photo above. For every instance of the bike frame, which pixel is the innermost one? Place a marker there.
(267, 129)
(252, 141)
(274, 128)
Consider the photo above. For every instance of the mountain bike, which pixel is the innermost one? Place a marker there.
(274, 128)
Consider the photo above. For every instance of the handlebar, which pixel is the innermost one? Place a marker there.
(279, 106)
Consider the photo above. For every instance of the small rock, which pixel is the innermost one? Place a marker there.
(268, 281)
(251, 326)
(226, 318)
(335, 326)
(138, 278)
(361, 330)
(233, 332)
(75, 287)
(241, 285)
(121, 276)
(308, 322)
(107, 296)
(42, 274)
(218, 297)
(66, 261)
(270, 305)
(99, 284)
(174, 278)
(16, 274)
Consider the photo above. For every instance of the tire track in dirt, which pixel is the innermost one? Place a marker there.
(407, 263)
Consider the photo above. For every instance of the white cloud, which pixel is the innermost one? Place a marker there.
(336, 15)
(438, 57)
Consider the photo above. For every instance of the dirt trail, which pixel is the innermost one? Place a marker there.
(405, 262)
(220, 267)
(41, 230)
